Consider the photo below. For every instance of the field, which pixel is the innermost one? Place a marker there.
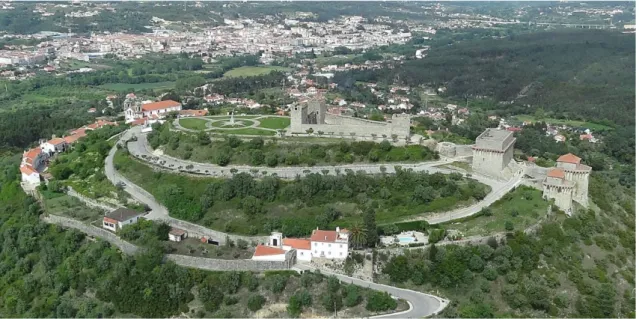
(121, 87)
(275, 122)
(522, 207)
(572, 123)
(253, 71)
(246, 131)
(193, 124)
(221, 123)
(65, 205)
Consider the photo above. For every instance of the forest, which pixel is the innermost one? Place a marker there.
(571, 74)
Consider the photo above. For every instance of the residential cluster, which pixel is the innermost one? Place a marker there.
(35, 161)
(329, 244)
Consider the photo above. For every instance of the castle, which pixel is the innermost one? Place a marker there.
(493, 153)
(313, 116)
(567, 182)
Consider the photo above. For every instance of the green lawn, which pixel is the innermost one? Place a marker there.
(193, 124)
(140, 86)
(253, 71)
(589, 125)
(275, 122)
(221, 123)
(523, 207)
(247, 131)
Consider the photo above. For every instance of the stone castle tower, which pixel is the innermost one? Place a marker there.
(493, 152)
(313, 112)
(578, 173)
(568, 182)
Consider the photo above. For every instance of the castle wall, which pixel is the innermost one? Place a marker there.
(561, 195)
(344, 126)
(489, 163)
(580, 194)
(508, 155)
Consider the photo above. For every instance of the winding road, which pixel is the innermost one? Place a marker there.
(421, 305)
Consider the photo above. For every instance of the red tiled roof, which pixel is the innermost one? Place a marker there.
(569, 158)
(73, 138)
(262, 250)
(194, 112)
(297, 243)
(27, 170)
(327, 236)
(31, 155)
(56, 141)
(177, 231)
(556, 172)
(139, 121)
(160, 105)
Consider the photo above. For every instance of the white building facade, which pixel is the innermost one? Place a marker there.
(330, 244)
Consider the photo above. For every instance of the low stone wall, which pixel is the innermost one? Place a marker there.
(198, 231)
(90, 230)
(89, 201)
(229, 265)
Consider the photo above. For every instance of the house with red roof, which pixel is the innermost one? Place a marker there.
(301, 246)
(330, 244)
(54, 145)
(160, 108)
(270, 253)
(29, 175)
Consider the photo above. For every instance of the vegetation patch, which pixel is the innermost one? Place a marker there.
(275, 122)
(516, 211)
(246, 71)
(281, 152)
(128, 87)
(572, 123)
(247, 205)
(193, 123)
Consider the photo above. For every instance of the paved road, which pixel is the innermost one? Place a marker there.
(421, 304)
(158, 211)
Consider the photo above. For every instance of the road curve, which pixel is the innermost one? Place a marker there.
(421, 304)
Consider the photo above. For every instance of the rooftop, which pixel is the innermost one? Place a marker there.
(495, 139)
(262, 250)
(160, 105)
(569, 158)
(122, 214)
(297, 243)
(556, 172)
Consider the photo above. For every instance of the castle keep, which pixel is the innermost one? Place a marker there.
(493, 153)
(567, 182)
(313, 116)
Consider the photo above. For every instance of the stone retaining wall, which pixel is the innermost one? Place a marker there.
(91, 230)
(231, 265)
(89, 201)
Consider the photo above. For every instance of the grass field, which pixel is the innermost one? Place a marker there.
(522, 207)
(193, 124)
(589, 125)
(275, 122)
(140, 86)
(247, 131)
(65, 205)
(222, 122)
(253, 71)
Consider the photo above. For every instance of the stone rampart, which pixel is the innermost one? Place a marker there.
(231, 265)
(91, 230)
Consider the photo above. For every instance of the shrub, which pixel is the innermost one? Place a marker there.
(255, 302)
(509, 226)
(380, 301)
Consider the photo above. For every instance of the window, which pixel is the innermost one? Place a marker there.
(316, 252)
(329, 245)
(341, 246)
(340, 254)
(315, 244)
(329, 252)
(301, 253)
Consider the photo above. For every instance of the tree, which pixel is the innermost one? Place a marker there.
(357, 235)
(398, 269)
(309, 131)
(380, 301)
(476, 263)
(370, 227)
(223, 158)
(332, 302)
(353, 296)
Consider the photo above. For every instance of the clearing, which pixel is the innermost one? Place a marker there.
(572, 123)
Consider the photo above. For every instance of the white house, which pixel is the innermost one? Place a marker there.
(119, 218)
(301, 246)
(54, 145)
(29, 175)
(177, 235)
(330, 244)
(160, 108)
